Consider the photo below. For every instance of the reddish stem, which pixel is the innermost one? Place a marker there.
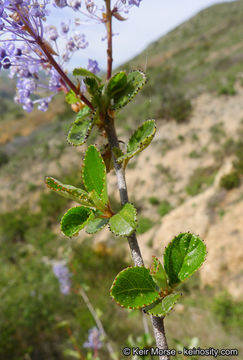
(109, 38)
(65, 78)
(70, 334)
(44, 46)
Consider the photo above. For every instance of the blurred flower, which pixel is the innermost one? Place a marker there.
(134, 2)
(93, 66)
(25, 52)
(95, 10)
(63, 275)
(93, 339)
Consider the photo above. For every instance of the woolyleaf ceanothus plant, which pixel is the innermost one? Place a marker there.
(96, 102)
(153, 289)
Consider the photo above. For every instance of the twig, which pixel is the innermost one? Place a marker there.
(70, 334)
(65, 78)
(157, 322)
(109, 38)
(98, 322)
(145, 323)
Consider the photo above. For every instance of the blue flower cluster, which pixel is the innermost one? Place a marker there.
(95, 10)
(27, 46)
(94, 341)
(63, 275)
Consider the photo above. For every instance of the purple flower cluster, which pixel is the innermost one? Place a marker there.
(24, 47)
(95, 10)
(63, 275)
(94, 341)
(93, 66)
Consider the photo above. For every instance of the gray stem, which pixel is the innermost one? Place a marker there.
(145, 323)
(159, 334)
(157, 322)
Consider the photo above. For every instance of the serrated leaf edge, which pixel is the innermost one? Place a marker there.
(104, 177)
(62, 188)
(135, 92)
(144, 144)
(85, 222)
(153, 272)
(159, 315)
(129, 307)
(91, 125)
(135, 218)
(90, 75)
(188, 232)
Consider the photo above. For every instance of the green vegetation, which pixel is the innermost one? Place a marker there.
(165, 83)
(3, 158)
(194, 154)
(164, 208)
(200, 180)
(238, 164)
(186, 64)
(229, 312)
(144, 224)
(31, 302)
(227, 89)
(153, 200)
(217, 132)
(201, 59)
(230, 181)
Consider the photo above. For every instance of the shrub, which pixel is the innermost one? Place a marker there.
(227, 89)
(229, 312)
(200, 180)
(153, 200)
(175, 105)
(3, 158)
(14, 225)
(52, 205)
(194, 154)
(144, 224)
(230, 181)
(238, 164)
(166, 81)
(164, 208)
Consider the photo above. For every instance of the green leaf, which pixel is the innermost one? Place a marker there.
(158, 274)
(96, 200)
(135, 81)
(94, 90)
(96, 225)
(69, 191)
(134, 288)
(183, 256)
(94, 173)
(81, 127)
(161, 308)
(125, 221)
(71, 97)
(85, 73)
(75, 220)
(116, 84)
(63, 324)
(72, 353)
(141, 138)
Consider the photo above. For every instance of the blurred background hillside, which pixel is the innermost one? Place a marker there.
(189, 179)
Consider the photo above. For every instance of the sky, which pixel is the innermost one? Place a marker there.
(145, 24)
